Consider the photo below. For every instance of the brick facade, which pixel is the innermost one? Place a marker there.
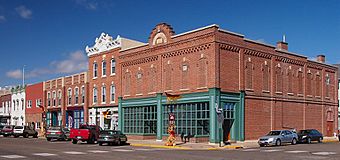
(34, 105)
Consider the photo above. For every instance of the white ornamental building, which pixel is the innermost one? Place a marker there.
(18, 106)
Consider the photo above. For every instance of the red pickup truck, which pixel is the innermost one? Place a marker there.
(88, 133)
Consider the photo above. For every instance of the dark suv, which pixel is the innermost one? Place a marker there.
(24, 131)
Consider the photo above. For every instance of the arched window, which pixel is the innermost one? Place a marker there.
(103, 68)
(95, 70)
(300, 81)
(290, 77)
(69, 96)
(82, 94)
(279, 79)
(76, 95)
(112, 93)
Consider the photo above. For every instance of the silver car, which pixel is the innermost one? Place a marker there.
(277, 137)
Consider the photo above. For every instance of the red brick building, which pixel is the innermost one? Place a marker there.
(224, 79)
(34, 104)
(5, 108)
(67, 100)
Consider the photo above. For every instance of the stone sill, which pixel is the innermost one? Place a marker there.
(265, 91)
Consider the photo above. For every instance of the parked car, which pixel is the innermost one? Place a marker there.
(58, 133)
(88, 133)
(309, 135)
(1, 126)
(112, 137)
(24, 131)
(7, 130)
(277, 137)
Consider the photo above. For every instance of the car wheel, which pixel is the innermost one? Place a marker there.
(294, 141)
(320, 140)
(5, 135)
(309, 140)
(48, 139)
(261, 145)
(25, 135)
(15, 136)
(35, 135)
(100, 144)
(278, 142)
(119, 142)
(74, 141)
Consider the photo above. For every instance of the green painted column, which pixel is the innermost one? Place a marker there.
(241, 117)
(214, 99)
(120, 114)
(159, 116)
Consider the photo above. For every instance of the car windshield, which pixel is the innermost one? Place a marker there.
(109, 132)
(7, 127)
(274, 133)
(54, 128)
(18, 127)
(304, 131)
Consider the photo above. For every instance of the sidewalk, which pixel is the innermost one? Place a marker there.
(207, 146)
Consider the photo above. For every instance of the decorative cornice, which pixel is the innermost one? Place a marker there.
(315, 66)
(257, 53)
(288, 60)
(140, 61)
(104, 43)
(229, 48)
(186, 51)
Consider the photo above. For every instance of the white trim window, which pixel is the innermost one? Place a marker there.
(54, 95)
(103, 68)
(29, 104)
(48, 98)
(112, 93)
(95, 70)
(22, 104)
(95, 95)
(76, 94)
(82, 94)
(103, 94)
(59, 98)
(38, 102)
(69, 96)
(113, 66)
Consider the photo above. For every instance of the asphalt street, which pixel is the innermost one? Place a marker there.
(40, 149)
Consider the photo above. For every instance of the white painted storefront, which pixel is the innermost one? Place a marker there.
(18, 107)
(97, 116)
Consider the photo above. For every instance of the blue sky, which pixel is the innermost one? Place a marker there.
(49, 37)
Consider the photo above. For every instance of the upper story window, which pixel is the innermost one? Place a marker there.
(38, 103)
(14, 105)
(95, 95)
(95, 70)
(76, 94)
(54, 98)
(113, 66)
(300, 79)
(113, 91)
(103, 94)
(29, 104)
(83, 94)
(249, 74)
(48, 99)
(69, 96)
(59, 97)
(328, 82)
(104, 68)
(22, 104)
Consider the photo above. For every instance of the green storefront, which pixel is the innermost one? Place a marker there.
(214, 114)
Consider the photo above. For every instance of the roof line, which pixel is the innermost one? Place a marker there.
(195, 30)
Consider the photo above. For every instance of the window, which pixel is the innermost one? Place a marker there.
(22, 104)
(317, 85)
(185, 75)
(103, 94)
(265, 69)
(83, 94)
(59, 97)
(38, 103)
(249, 74)
(113, 91)
(69, 96)
(95, 70)
(48, 99)
(29, 104)
(14, 105)
(54, 98)
(76, 94)
(139, 83)
(104, 68)
(37, 126)
(95, 94)
(328, 81)
(113, 66)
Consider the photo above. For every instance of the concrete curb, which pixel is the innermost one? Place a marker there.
(159, 146)
(330, 140)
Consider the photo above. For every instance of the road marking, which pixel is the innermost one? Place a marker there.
(74, 152)
(44, 154)
(271, 150)
(324, 153)
(122, 150)
(250, 150)
(145, 149)
(296, 151)
(98, 151)
(13, 156)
